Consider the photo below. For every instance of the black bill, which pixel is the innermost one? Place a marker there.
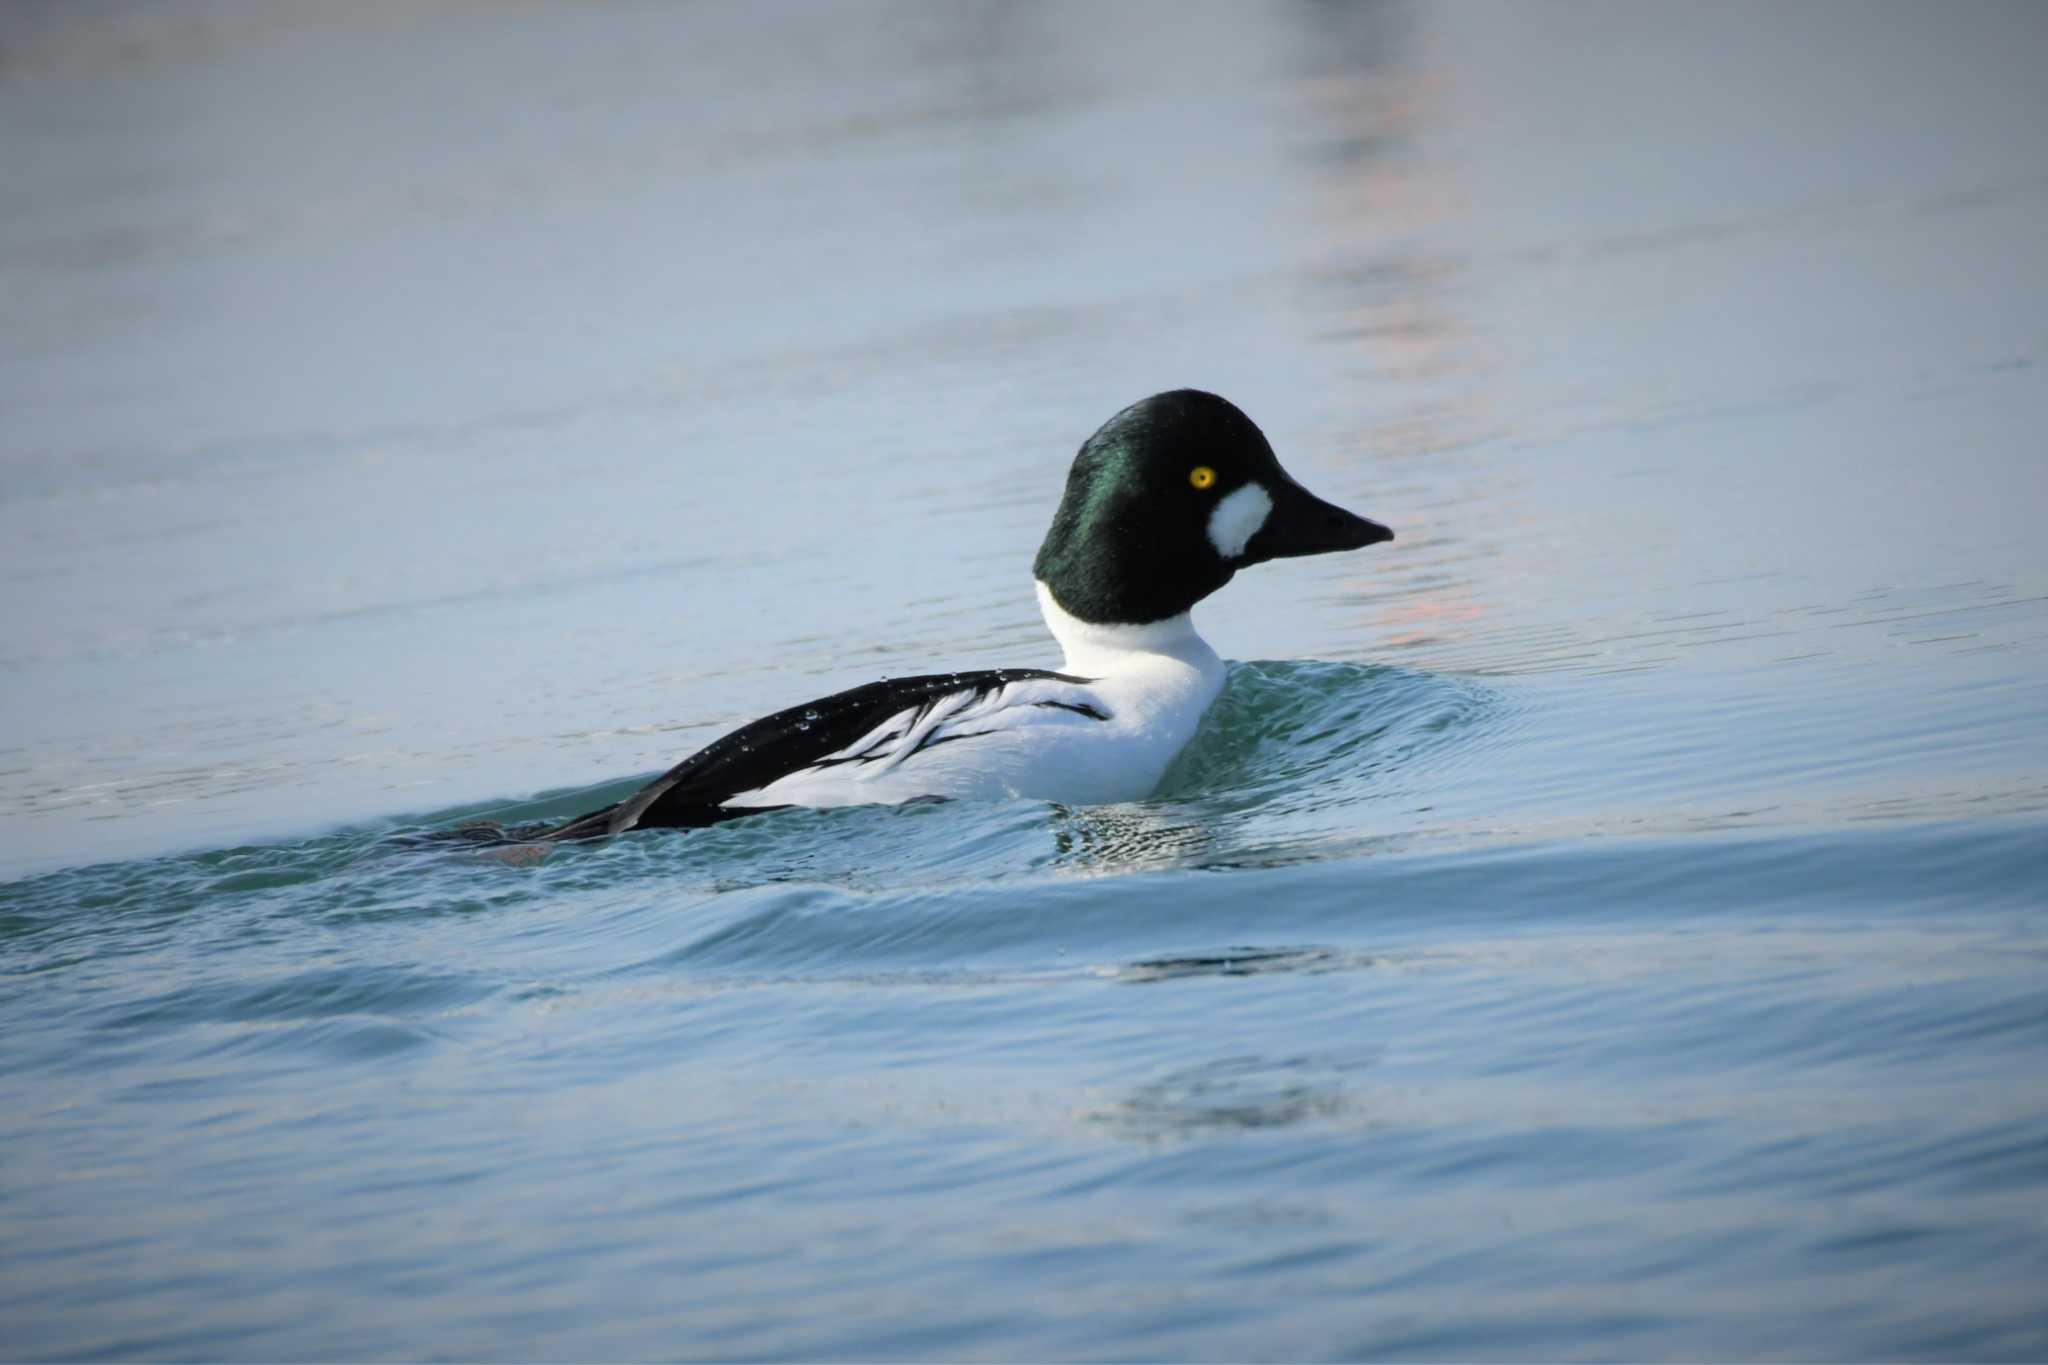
(1303, 524)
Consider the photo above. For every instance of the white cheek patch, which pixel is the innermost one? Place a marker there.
(1237, 519)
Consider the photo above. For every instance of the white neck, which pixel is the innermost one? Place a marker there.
(1095, 651)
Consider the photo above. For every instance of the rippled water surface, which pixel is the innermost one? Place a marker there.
(1605, 922)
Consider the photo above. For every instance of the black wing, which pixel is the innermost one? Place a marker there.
(692, 793)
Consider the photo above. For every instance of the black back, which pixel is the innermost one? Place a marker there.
(692, 793)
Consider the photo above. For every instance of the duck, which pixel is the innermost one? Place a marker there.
(1163, 505)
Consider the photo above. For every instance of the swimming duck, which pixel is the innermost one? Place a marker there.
(1163, 505)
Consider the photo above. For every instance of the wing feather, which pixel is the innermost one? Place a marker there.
(871, 729)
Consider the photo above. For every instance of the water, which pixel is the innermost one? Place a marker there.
(1605, 922)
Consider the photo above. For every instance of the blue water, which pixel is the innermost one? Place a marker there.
(1609, 921)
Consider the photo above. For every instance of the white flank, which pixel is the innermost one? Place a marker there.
(1238, 518)
(1150, 683)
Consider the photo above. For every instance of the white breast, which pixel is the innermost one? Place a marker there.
(1151, 683)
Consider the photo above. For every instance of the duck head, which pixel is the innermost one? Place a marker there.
(1168, 500)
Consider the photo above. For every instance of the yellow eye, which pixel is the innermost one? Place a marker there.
(1201, 476)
